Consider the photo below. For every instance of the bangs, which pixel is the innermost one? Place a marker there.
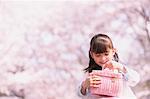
(100, 46)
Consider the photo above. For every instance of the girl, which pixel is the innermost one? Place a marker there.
(103, 55)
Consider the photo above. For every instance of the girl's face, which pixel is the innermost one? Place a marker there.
(103, 58)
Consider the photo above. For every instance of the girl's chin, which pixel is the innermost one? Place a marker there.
(102, 64)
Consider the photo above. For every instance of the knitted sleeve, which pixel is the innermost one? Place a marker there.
(132, 77)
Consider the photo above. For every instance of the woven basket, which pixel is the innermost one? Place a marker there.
(111, 83)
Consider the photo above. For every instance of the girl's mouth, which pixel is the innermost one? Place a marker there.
(103, 62)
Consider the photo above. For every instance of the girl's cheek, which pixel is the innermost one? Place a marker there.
(110, 57)
(107, 58)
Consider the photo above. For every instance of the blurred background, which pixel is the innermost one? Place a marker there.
(44, 44)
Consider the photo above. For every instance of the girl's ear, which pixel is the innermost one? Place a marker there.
(91, 54)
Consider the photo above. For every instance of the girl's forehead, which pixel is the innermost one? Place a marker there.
(102, 53)
(107, 51)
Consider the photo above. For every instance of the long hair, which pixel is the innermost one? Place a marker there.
(100, 43)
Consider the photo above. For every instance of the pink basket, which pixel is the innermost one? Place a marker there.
(111, 83)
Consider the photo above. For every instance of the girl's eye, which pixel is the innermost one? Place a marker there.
(97, 55)
(106, 54)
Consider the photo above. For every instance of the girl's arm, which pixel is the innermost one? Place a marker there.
(131, 76)
(84, 86)
(82, 90)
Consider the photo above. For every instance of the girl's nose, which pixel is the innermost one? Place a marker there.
(103, 58)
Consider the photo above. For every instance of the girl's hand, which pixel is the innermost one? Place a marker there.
(91, 81)
(95, 81)
(115, 65)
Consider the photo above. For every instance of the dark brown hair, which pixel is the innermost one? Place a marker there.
(100, 43)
